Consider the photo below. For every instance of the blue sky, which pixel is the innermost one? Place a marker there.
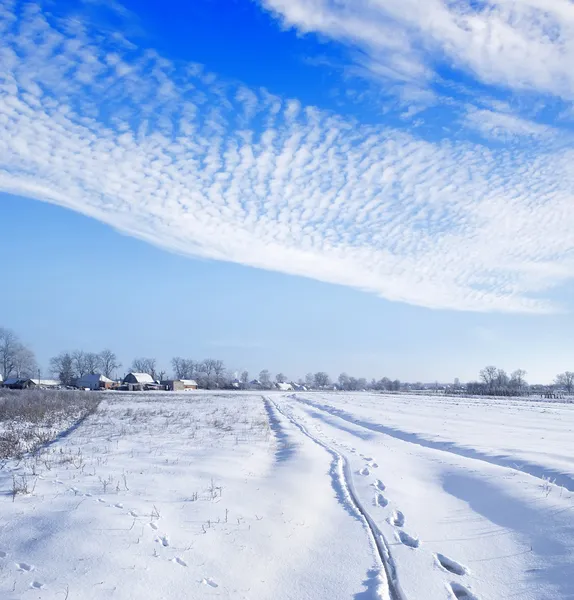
(378, 187)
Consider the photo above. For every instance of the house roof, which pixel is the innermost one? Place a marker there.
(188, 381)
(142, 377)
(94, 378)
(50, 382)
(284, 387)
(12, 380)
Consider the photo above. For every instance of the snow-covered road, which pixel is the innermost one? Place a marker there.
(291, 496)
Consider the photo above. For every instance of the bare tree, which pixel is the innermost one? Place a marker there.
(92, 362)
(566, 380)
(244, 378)
(209, 371)
(343, 381)
(219, 372)
(517, 379)
(109, 363)
(309, 380)
(79, 362)
(25, 364)
(265, 378)
(145, 365)
(62, 366)
(321, 379)
(488, 375)
(501, 379)
(15, 358)
(280, 378)
(179, 366)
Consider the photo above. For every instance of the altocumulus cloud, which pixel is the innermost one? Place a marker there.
(175, 156)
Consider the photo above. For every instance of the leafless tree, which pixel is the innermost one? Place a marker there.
(309, 380)
(93, 363)
(62, 366)
(321, 379)
(517, 379)
(25, 363)
(343, 381)
(208, 369)
(280, 378)
(488, 375)
(219, 372)
(145, 365)
(265, 378)
(179, 366)
(15, 358)
(79, 363)
(109, 363)
(566, 380)
(244, 378)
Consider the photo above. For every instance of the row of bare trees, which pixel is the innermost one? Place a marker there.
(209, 373)
(69, 366)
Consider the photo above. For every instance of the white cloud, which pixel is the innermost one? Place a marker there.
(183, 160)
(520, 44)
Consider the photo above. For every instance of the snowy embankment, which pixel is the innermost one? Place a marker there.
(287, 497)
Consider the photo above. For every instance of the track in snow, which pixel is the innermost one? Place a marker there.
(341, 470)
(535, 470)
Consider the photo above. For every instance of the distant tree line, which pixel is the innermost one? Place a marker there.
(70, 366)
(18, 360)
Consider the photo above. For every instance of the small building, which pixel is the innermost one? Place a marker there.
(25, 383)
(284, 387)
(94, 382)
(178, 385)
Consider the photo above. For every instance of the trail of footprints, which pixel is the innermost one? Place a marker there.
(397, 520)
(161, 539)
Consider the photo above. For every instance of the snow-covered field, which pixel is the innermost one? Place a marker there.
(296, 496)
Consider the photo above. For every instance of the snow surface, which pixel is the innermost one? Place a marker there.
(295, 496)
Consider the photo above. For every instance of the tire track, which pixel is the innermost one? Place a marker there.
(342, 471)
(545, 474)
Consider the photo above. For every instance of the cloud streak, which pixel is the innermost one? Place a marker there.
(175, 156)
(519, 44)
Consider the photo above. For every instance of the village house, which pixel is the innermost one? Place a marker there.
(19, 383)
(94, 382)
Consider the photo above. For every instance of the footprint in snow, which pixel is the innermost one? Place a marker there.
(3, 554)
(379, 485)
(25, 567)
(364, 471)
(398, 519)
(101, 500)
(37, 585)
(461, 593)
(153, 526)
(380, 500)
(164, 541)
(119, 505)
(450, 565)
(180, 561)
(368, 458)
(408, 540)
(374, 465)
(133, 514)
(209, 582)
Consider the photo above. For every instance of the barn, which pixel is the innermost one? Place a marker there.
(138, 378)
